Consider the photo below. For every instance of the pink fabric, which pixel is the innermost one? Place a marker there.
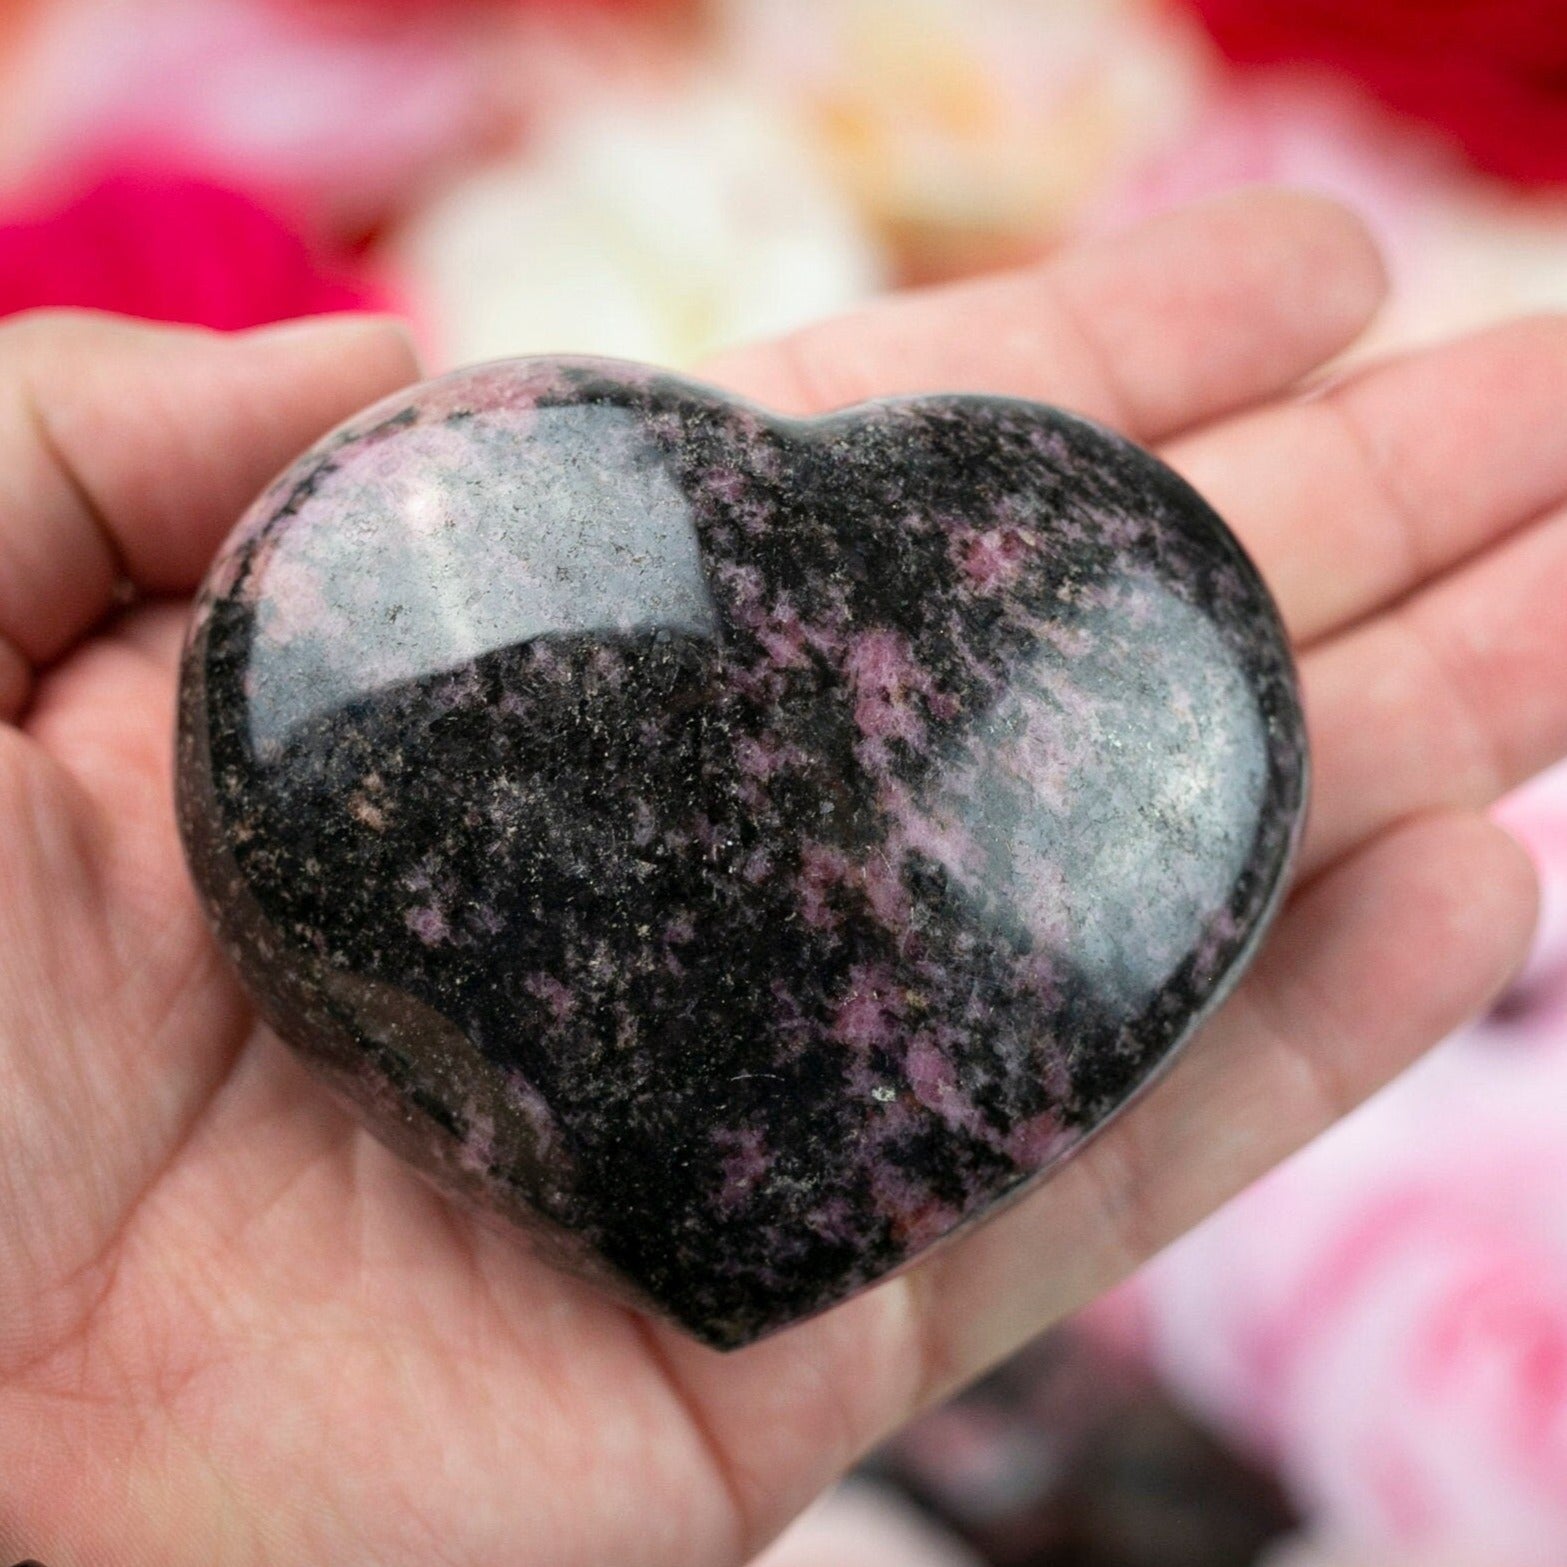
(171, 248)
(1386, 1316)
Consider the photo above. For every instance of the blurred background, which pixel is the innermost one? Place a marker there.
(1363, 1361)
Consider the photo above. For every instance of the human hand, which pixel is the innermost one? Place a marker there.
(233, 1329)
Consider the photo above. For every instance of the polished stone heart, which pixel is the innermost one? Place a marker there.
(739, 850)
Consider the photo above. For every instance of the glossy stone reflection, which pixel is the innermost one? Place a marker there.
(740, 851)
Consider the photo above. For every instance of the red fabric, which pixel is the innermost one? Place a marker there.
(167, 247)
(1491, 74)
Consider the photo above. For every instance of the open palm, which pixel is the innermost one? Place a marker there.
(235, 1330)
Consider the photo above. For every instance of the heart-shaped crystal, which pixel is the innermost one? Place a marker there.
(740, 850)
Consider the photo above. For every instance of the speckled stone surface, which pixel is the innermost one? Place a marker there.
(740, 851)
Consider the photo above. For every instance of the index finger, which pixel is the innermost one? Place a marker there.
(128, 450)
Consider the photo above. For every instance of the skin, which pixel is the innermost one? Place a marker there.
(233, 1329)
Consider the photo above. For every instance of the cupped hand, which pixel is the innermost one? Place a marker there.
(234, 1330)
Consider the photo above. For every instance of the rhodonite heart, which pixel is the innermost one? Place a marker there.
(739, 850)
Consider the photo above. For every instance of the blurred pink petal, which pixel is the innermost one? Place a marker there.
(340, 125)
(171, 248)
(377, 13)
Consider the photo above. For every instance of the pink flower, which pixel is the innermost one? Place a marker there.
(338, 125)
(376, 13)
(171, 248)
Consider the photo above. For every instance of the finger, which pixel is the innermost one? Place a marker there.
(1363, 971)
(118, 1021)
(16, 678)
(129, 450)
(106, 713)
(1366, 969)
(1181, 318)
(1451, 699)
(862, 1524)
(1350, 499)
